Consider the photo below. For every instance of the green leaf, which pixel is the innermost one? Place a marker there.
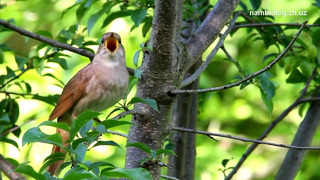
(80, 152)
(133, 82)
(51, 159)
(51, 99)
(93, 19)
(136, 58)
(137, 73)
(267, 102)
(45, 33)
(165, 152)
(151, 102)
(21, 61)
(133, 174)
(113, 123)
(1, 56)
(10, 141)
(76, 175)
(146, 26)
(296, 77)
(99, 164)
(316, 37)
(101, 129)
(13, 111)
(266, 85)
(107, 143)
(255, 4)
(85, 128)
(36, 135)
(81, 11)
(28, 170)
(114, 16)
(138, 16)
(62, 62)
(63, 126)
(81, 120)
(140, 146)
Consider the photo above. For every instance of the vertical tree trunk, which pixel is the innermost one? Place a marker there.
(161, 72)
(292, 162)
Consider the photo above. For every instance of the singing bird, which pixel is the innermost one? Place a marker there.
(97, 86)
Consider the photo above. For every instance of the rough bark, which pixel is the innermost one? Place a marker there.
(7, 168)
(160, 74)
(306, 131)
(162, 71)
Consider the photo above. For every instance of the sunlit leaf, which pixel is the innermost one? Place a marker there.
(113, 123)
(107, 143)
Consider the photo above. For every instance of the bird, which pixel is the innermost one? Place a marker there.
(97, 86)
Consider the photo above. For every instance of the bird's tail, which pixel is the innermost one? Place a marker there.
(53, 168)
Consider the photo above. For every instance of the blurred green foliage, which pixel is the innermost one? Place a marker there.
(43, 70)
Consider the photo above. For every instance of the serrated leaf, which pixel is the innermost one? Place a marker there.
(133, 174)
(81, 120)
(63, 126)
(138, 16)
(136, 58)
(107, 143)
(28, 170)
(140, 146)
(113, 123)
(151, 102)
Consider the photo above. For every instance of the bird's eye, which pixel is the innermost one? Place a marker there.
(102, 41)
(119, 41)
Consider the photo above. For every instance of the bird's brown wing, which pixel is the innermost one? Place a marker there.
(72, 93)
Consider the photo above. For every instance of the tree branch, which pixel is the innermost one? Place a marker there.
(209, 30)
(8, 169)
(214, 51)
(272, 24)
(273, 124)
(243, 139)
(249, 77)
(15, 77)
(52, 42)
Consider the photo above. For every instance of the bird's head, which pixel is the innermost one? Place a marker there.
(111, 42)
(110, 48)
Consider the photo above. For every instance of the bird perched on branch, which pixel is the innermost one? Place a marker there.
(98, 86)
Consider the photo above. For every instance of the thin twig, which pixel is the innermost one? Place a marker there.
(247, 78)
(18, 94)
(241, 71)
(16, 127)
(53, 43)
(8, 169)
(15, 77)
(273, 124)
(117, 133)
(125, 113)
(272, 24)
(243, 139)
(214, 51)
(169, 177)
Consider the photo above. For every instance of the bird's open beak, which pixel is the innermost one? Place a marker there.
(111, 43)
